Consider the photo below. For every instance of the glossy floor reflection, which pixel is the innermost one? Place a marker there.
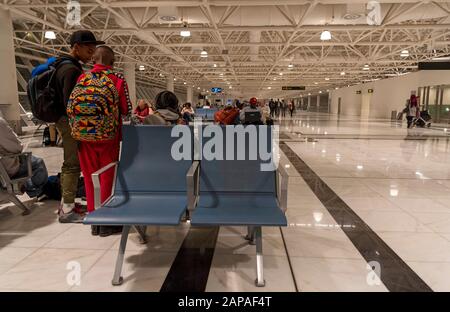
(395, 181)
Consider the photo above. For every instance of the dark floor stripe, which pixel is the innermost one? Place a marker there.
(395, 273)
(289, 261)
(190, 269)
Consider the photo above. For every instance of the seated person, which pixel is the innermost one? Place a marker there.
(166, 112)
(187, 112)
(141, 111)
(226, 116)
(265, 111)
(251, 114)
(9, 145)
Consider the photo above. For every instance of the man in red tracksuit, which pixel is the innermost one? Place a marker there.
(96, 155)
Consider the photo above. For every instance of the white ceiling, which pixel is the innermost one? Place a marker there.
(252, 42)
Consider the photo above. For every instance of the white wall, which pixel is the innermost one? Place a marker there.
(389, 94)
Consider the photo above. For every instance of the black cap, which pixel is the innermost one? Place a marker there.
(84, 36)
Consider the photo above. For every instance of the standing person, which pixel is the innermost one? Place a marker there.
(283, 108)
(272, 109)
(82, 47)
(291, 107)
(412, 111)
(99, 145)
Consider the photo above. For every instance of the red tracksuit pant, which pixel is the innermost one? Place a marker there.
(94, 156)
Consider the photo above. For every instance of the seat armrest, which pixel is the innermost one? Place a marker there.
(4, 175)
(192, 182)
(96, 181)
(4, 178)
(282, 191)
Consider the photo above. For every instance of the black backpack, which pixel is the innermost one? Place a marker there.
(44, 100)
(253, 118)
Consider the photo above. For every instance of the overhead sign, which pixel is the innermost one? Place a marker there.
(370, 91)
(216, 90)
(358, 92)
(293, 88)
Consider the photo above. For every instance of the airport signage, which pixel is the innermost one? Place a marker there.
(293, 88)
(216, 90)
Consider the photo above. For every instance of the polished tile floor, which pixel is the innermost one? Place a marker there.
(388, 182)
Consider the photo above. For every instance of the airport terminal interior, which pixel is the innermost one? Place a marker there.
(357, 94)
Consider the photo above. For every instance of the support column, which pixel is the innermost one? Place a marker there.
(170, 83)
(318, 103)
(129, 71)
(309, 103)
(189, 97)
(9, 94)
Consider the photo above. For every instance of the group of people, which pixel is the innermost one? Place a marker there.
(278, 108)
(91, 106)
(246, 113)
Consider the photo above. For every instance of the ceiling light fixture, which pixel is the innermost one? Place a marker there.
(185, 32)
(142, 68)
(50, 35)
(404, 53)
(343, 73)
(325, 35)
(204, 54)
(327, 79)
(290, 66)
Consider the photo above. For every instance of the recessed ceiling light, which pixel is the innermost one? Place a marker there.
(320, 92)
(316, 83)
(325, 35)
(281, 74)
(290, 66)
(343, 73)
(185, 32)
(269, 88)
(184, 83)
(50, 35)
(198, 88)
(174, 79)
(327, 79)
(215, 65)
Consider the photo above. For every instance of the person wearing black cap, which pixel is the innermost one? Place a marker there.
(82, 47)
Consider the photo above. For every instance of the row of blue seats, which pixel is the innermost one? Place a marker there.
(206, 113)
(152, 188)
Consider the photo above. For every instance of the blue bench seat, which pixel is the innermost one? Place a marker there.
(141, 209)
(237, 209)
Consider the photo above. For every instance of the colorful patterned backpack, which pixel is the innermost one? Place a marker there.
(93, 108)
